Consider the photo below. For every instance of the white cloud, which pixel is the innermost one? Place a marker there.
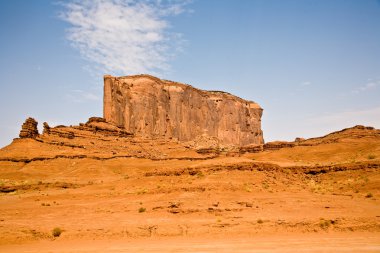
(124, 36)
(306, 83)
(370, 85)
(79, 96)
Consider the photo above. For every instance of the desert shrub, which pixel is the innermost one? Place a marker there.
(370, 157)
(369, 195)
(142, 209)
(142, 191)
(325, 224)
(260, 221)
(265, 185)
(56, 232)
(200, 174)
(247, 188)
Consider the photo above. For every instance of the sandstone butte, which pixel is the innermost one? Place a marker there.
(148, 106)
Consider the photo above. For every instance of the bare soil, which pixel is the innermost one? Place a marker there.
(317, 198)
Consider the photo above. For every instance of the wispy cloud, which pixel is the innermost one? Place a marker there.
(306, 83)
(370, 85)
(80, 96)
(124, 36)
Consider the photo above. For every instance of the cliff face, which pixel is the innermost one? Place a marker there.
(147, 106)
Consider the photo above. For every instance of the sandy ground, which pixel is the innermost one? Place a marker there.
(318, 198)
(299, 243)
(130, 205)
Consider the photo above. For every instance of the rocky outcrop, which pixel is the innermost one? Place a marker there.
(46, 128)
(29, 129)
(356, 132)
(147, 106)
(95, 119)
(275, 145)
(299, 139)
(251, 149)
(67, 135)
(99, 125)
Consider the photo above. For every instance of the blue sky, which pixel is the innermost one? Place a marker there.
(313, 65)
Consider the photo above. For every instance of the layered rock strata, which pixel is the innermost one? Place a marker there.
(275, 145)
(46, 128)
(99, 125)
(29, 129)
(147, 106)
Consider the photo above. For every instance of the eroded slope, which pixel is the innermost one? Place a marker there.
(97, 181)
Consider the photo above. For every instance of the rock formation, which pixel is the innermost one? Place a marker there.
(99, 125)
(275, 145)
(251, 149)
(29, 129)
(46, 128)
(150, 107)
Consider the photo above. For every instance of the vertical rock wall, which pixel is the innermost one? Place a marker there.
(155, 108)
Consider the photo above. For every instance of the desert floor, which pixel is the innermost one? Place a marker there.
(218, 205)
(320, 197)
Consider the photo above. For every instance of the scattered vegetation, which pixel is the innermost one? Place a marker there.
(56, 232)
(116, 171)
(142, 209)
(260, 221)
(200, 174)
(365, 179)
(265, 185)
(247, 187)
(325, 224)
(371, 157)
(369, 195)
(142, 191)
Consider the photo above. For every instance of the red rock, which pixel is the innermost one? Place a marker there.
(150, 107)
(275, 145)
(29, 129)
